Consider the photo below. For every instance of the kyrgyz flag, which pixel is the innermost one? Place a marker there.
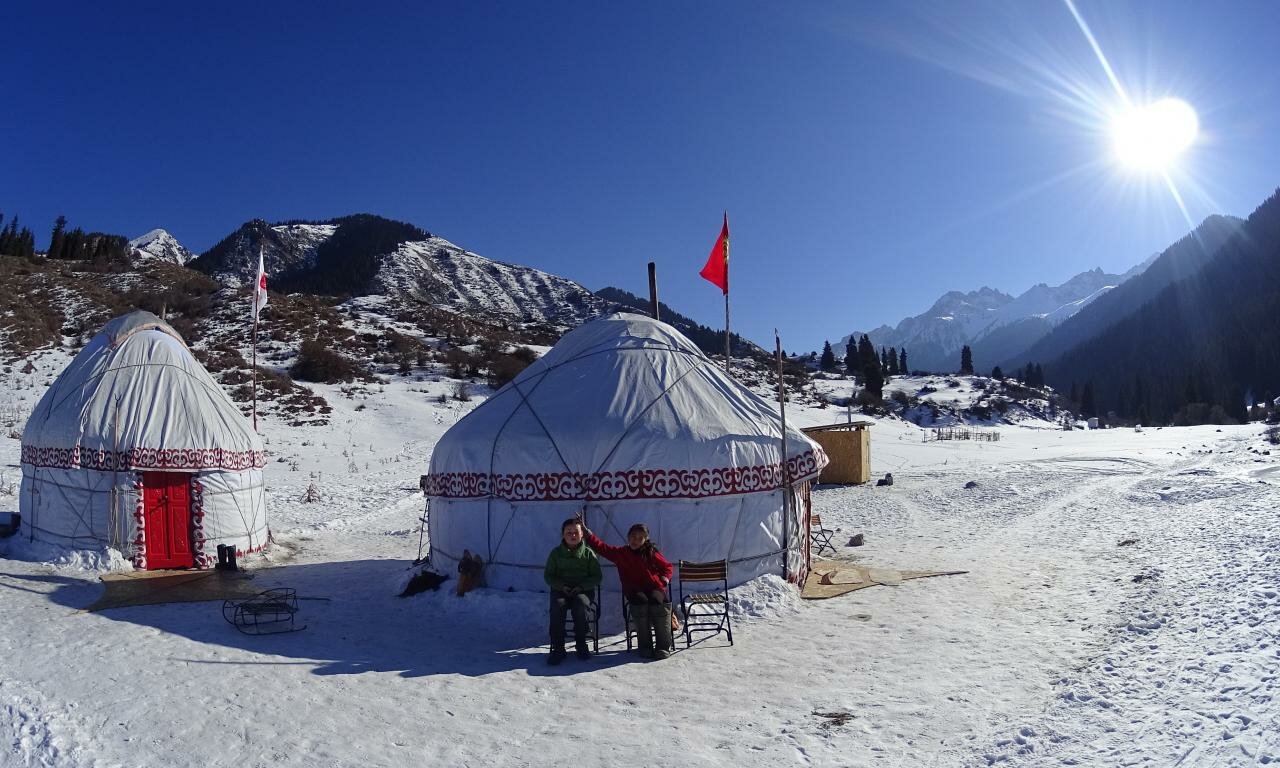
(717, 268)
(260, 288)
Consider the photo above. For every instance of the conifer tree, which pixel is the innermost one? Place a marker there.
(893, 362)
(828, 362)
(850, 357)
(1087, 405)
(873, 377)
(56, 239)
(997, 373)
(966, 361)
(902, 361)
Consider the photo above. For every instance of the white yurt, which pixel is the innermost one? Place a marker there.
(627, 420)
(136, 447)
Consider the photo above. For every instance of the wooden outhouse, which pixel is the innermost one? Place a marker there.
(848, 446)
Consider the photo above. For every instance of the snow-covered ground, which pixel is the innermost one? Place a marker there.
(1061, 646)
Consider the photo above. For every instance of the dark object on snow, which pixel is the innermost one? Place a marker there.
(266, 613)
(971, 484)
(1127, 543)
(470, 572)
(856, 540)
(10, 522)
(886, 480)
(1146, 576)
(423, 581)
(226, 558)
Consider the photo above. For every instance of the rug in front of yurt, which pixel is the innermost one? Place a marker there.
(832, 578)
(155, 587)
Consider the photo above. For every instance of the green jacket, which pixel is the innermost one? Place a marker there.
(572, 568)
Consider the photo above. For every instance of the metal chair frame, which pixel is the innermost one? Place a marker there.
(713, 605)
(820, 535)
(626, 616)
(593, 619)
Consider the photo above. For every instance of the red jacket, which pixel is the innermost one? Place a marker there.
(637, 572)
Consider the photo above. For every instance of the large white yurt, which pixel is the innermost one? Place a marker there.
(627, 420)
(136, 447)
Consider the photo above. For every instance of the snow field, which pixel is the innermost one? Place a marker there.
(1059, 647)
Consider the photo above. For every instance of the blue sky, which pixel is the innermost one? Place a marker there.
(871, 155)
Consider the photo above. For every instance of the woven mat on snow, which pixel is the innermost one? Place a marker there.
(829, 578)
(154, 587)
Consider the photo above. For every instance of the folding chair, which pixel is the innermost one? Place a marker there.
(820, 536)
(593, 620)
(708, 610)
(626, 616)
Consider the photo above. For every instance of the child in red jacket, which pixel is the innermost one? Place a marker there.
(644, 574)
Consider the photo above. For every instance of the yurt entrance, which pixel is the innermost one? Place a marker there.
(166, 510)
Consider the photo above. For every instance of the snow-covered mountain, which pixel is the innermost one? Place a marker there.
(996, 325)
(159, 245)
(437, 271)
(365, 255)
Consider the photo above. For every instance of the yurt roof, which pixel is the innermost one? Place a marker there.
(621, 407)
(135, 398)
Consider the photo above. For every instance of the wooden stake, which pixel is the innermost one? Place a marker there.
(653, 290)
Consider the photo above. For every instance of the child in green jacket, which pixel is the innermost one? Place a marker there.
(572, 573)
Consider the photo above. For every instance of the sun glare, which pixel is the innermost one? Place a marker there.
(1152, 137)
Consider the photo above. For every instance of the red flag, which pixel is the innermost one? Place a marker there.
(717, 268)
(260, 290)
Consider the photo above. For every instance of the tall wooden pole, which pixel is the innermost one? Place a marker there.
(726, 331)
(786, 479)
(256, 287)
(653, 290)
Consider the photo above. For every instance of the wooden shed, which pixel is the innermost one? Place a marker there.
(848, 446)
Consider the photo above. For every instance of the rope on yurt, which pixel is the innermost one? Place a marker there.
(493, 453)
(661, 396)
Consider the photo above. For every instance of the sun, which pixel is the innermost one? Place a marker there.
(1153, 136)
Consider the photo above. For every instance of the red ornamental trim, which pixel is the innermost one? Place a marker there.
(624, 484)
(140, 528)
(199, 557)
(80, 457)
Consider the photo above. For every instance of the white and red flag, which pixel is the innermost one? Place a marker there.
(260, 288)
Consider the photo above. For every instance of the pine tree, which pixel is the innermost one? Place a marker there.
(997, 374)
(893, 362)
(57, 238)
(828, 362)
(1087, 405)
(850, 357)
(872, 375)
(902, 361)
(966, 361)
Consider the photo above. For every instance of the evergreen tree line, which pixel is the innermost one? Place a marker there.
(14, 241)
(347, 262)
(863, 362)
(78, 245)
(1200, 349)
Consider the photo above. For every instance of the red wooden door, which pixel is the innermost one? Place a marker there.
(166, 500)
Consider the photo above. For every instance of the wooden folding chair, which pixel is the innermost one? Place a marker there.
(706, 610)
(820, 536)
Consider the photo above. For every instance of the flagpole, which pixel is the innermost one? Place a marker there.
(726, 331)
(257, 286)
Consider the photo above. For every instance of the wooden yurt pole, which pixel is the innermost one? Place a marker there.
(653, 290)
(786, 480)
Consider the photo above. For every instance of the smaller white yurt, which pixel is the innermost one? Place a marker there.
(136, 447)
(626, 420)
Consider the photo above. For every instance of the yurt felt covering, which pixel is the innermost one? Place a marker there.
(135, 400)
(627, 421)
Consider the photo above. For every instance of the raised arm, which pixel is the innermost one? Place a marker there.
(604, 550)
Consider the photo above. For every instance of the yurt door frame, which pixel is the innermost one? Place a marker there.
(167, 514)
